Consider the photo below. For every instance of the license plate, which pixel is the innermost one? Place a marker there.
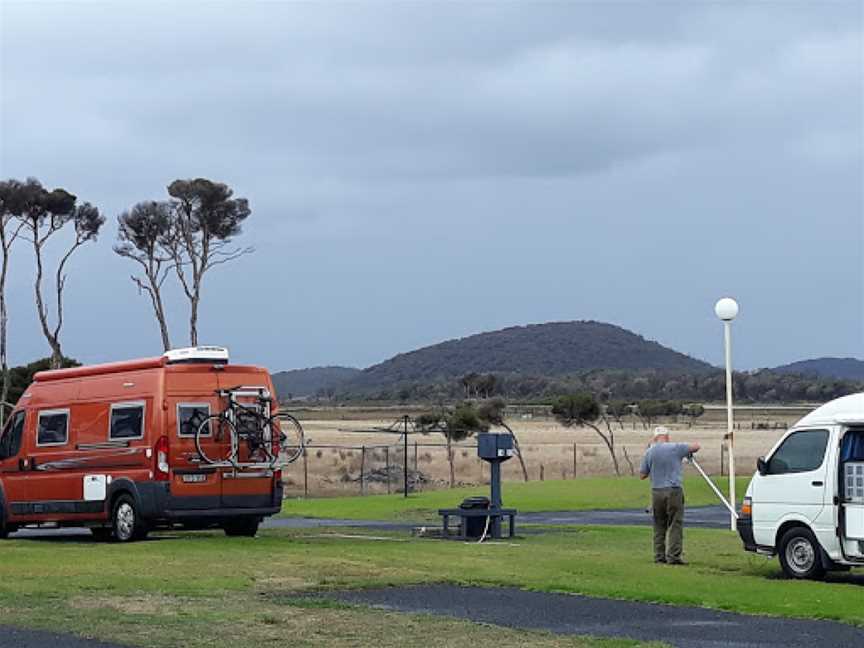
(194, 479)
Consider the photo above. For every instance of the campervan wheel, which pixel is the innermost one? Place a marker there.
(289, 433)
(216, 440)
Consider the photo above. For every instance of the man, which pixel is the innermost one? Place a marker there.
(662, 462)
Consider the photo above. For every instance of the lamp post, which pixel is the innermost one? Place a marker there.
(727, 309)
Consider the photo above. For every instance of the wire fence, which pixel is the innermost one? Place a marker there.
(378, 468)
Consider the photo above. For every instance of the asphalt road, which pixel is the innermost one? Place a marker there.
(712, 517)
(685, 627)
(18, 638)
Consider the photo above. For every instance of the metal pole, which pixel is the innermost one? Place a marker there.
(716, 490)
(730, 425)
(405, 459)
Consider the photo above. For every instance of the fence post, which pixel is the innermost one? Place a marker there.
(387, 465)
(722, 451)
(415, 459)
(305, 476)
(574, 461)
(362, 467)
(542, 472)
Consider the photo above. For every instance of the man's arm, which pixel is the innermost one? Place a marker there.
(645, 468)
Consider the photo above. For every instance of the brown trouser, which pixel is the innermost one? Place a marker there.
(668, 523)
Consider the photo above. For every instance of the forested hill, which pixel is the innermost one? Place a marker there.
(847, 368)
(552, 349)
(299, 383)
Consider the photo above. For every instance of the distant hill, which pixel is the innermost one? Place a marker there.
(552, 349)
(847, 368)
(308, 382)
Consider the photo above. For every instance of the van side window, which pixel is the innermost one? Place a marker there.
(53, 428)
(10, 444)
(190, 416)
(127, 421)
(800, 452)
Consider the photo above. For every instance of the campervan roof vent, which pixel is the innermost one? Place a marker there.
(208, 354)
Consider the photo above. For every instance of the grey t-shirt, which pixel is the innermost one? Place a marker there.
(663, 463)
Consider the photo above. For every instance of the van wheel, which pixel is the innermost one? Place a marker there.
(800, 554)
(126, 524)
(244, 527)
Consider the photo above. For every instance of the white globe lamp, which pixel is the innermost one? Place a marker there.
(726, 309)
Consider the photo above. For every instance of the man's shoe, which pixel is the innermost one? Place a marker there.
(660, 560)
(676, 562)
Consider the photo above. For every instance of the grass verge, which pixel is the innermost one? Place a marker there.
(206, 589)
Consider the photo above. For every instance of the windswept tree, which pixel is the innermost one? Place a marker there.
(43, 214)
(143, 235)
(493, 413)
(454, 424)
(583, 410)
(9, 230)
(206, 218)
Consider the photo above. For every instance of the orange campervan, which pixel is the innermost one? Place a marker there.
(185, 440)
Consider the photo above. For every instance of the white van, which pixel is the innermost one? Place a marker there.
(806, 501)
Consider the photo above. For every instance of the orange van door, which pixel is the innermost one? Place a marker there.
(250, 488)
(191, 398)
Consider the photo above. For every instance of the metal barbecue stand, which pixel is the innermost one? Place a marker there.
(494, 448)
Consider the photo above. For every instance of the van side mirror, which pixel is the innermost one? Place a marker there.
(762, 466)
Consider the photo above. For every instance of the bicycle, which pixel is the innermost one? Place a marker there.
(270, 440)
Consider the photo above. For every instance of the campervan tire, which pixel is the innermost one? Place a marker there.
(242, 527)
(801, 555)
(126, 522)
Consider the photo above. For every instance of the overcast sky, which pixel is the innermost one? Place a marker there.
(419, 172)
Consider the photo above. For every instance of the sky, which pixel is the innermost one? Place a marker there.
(419, 172)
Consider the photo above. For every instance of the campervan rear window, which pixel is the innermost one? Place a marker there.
(53, 428)
(127, 421)
(189, 418)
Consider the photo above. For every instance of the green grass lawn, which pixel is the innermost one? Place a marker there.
(203, 589)
(566, 495)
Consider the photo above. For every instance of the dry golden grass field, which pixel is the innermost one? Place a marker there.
(341, 440)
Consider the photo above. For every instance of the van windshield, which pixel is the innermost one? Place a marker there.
(10, 442)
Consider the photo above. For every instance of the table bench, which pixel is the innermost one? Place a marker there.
(495, 514)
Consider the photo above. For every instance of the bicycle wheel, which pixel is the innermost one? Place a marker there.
(289, 433)
(216, 440)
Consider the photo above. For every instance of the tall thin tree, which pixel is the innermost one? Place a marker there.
(143, 235)
(10, 227)
(206, 219)
(44, 213)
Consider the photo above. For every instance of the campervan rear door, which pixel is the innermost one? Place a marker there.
(191, 396)
(251, 488)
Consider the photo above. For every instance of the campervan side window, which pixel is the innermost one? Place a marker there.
(10, 444)
(801, 452)
(190, 416)
(53, 429)
(127, 421)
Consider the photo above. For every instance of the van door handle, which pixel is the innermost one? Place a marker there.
(817, 483)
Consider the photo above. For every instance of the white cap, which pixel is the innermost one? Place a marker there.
(661, 431)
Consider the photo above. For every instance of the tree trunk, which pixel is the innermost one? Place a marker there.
(53, 340)
(193, 320)
(4, 366)
(610, 445)
(518, 450)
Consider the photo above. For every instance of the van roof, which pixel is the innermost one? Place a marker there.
(846, 409)
(99, 369)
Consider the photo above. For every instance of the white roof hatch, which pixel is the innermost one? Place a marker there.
(210, 354)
